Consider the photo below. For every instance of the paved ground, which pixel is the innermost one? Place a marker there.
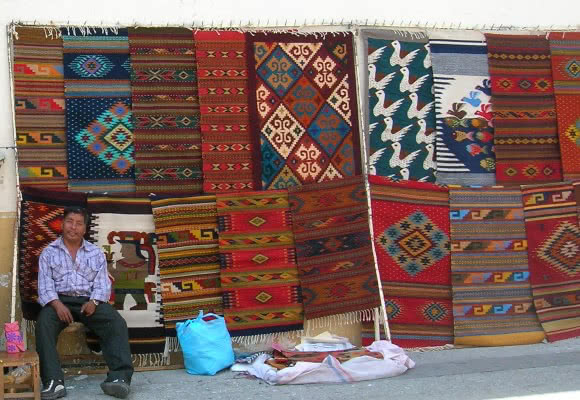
(543, 371)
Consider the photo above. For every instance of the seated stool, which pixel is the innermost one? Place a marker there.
(29, 358)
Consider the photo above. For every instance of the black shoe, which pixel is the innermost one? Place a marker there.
(53, 390)
(117, 388)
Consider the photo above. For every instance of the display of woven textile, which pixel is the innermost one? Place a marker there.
(303, 102)
(576, 185)
(400, 106)
(222, 76)
(123, 228)
(39, 107)
(464, 143)
(166, 111)
(411, 234)
(492, 298)
(565, 56)
(187, 242)
(554, 255)
(261, 291)
(334, 251)
(40, 224)
(524, 114)
(99, 125)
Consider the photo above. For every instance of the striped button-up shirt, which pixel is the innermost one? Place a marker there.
(85, 276)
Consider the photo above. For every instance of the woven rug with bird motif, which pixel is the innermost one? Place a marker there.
(401, 113)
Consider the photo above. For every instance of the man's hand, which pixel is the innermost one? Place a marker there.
(62, 311)
(88, 308)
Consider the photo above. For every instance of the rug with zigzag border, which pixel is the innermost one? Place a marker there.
(259, 278)
(333, 245)
(551, 217)
(187, 241)
(411, 234)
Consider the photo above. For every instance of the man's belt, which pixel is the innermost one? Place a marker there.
(74, 294)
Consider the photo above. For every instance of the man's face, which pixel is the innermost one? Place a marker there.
(73, 227)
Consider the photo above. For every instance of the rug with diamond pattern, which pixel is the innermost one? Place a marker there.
(411, 234)
(99, 124)
(303, 104)
(333, 245)
(259, 278)
(166, 109)
(524, 112)
(554, 254)
(565, 56)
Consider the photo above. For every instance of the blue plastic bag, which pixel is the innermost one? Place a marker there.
(206, 345)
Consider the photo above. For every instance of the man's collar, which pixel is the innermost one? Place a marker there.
(60, 243)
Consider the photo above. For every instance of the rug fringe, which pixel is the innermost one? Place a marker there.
(29, 326)
(431, 348)
(149, 360)
(349, 318)
(171, 345)
(266, 338)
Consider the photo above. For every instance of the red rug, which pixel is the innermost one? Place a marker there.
(333, 245)
(222, 77)
(166, 111)
(554, 255)
(303, 107)
(261, 291)
(40, 223)
(411, 234)
(524, 113)
(565, 51)
(40, 110)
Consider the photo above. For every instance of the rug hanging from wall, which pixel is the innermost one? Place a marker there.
(411, 234)
(99, 124)
(464, 142)
(401, 116)
(166, 111)
(330, 222)
(303, 104)
(554, 253)
(187, 242)
(39, 110)
(40, 223)
(492, 298)
(524, 113)
(123, 228)
(259, 278)
(222, 75)
(565, 56)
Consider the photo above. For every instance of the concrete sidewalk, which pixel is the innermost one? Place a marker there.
(542, 371)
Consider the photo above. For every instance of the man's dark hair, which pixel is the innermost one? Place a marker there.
(77, 210)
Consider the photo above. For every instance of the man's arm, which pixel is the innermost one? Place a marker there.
(102, 284)
(46, 288)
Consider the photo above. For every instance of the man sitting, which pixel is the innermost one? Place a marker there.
(73, 285)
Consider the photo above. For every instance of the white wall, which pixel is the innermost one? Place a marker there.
(522, 13)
